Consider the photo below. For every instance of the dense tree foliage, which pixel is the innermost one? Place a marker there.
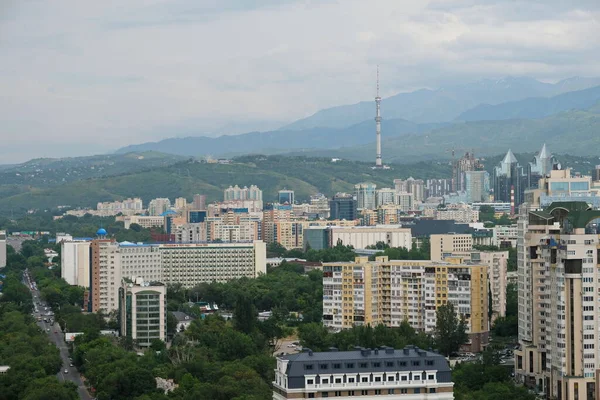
(317, 338)
(450, 330)
(402, 253)
(509, 325)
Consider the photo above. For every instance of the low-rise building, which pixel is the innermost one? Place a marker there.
(183, 320)
(409, 373)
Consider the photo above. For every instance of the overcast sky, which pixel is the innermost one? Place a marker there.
(82, 77)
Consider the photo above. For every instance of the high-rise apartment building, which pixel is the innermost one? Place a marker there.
(365, 196)
(409, 373)
(199, 202)
(181, 204)
(192, 264)
(464, 164)
(75, 262)
(126, 206)
(158, 206)
(385, 196)
(142, 311)
(497, 263)
(112, 261)
(343, 206)
(2, 249)
(557, 263)
(437, 187)
(416, 187)
(271, 218)
(245, 193)
(285, 196)
(390, 292)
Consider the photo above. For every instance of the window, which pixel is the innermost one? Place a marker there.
(431, 377)
(417, 377)
(351, 393)
(365, 379)
(350, 380)
(579, 186)
(377, 379)
(390, 378)
(376, 365)
(390, 391)
(311, 395)
(309, 381)
(337, 366)
(417, 390)
(363, 365)
(325, 380)
(308, 366)
(416, 363)
(325, 394)
(338, 380)
(404, 378)
(377, 391)
(389, 364)
(431, 390)
(364, 392)
(350, 365)
(323, 366)
(559, 186)
(338, 394)
(402, 363)
(403, 391)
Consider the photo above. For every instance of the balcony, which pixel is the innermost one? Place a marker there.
(374, 385)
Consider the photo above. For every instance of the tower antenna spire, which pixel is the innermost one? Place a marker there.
(378, 163)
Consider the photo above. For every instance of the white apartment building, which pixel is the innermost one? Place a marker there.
(192, 264)
(145, 221)
(158, 206)
(504, 235)
(409, 373)
(362, 236)
(497, 263)
(134, 204)
(190, 233)
(385, 196)
(461, 213)
(112, 261)
(2, 249)
(245, 193)
(75, 262)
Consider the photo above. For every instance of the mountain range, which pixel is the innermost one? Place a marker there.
(570, 119)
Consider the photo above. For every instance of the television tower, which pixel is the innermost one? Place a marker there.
(378, 124)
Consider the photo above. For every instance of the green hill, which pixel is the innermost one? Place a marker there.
(305, 175)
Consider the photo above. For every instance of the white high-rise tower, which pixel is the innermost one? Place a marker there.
(378, 124)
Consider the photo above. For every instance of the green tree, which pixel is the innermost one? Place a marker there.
(450, 331)
(244, 314)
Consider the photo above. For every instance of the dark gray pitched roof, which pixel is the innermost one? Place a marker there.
(364, 360)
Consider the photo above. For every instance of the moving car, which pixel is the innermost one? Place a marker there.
(66, 371)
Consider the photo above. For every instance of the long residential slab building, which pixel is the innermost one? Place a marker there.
(187, 264)
(390, 292)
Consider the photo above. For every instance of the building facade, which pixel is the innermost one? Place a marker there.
(365, 194)
(409, 373)
(448, 244)
(390, 292)
(75, 262)
(558, 296)
(343, 206)
(2, 249)
(360, 237)
(192, 264)
(142, 311)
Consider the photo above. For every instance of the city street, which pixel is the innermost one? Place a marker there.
(57, 338)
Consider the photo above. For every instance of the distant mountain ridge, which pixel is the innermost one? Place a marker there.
(444, 104)
(278, 141)
(535, 107)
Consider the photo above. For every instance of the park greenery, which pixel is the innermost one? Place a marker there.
(487, 215)
(215, 358)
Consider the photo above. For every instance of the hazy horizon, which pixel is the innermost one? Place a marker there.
(84, 78)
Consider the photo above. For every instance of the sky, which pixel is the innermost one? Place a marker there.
(81, 77)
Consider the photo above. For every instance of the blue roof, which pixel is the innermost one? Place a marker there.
(168, 212)
(101, 232)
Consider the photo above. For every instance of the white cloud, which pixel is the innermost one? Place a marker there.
(98, 75)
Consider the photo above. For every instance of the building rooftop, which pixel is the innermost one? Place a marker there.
(182, 317)
(384, 359)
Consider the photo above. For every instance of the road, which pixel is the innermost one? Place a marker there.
(57, 338)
